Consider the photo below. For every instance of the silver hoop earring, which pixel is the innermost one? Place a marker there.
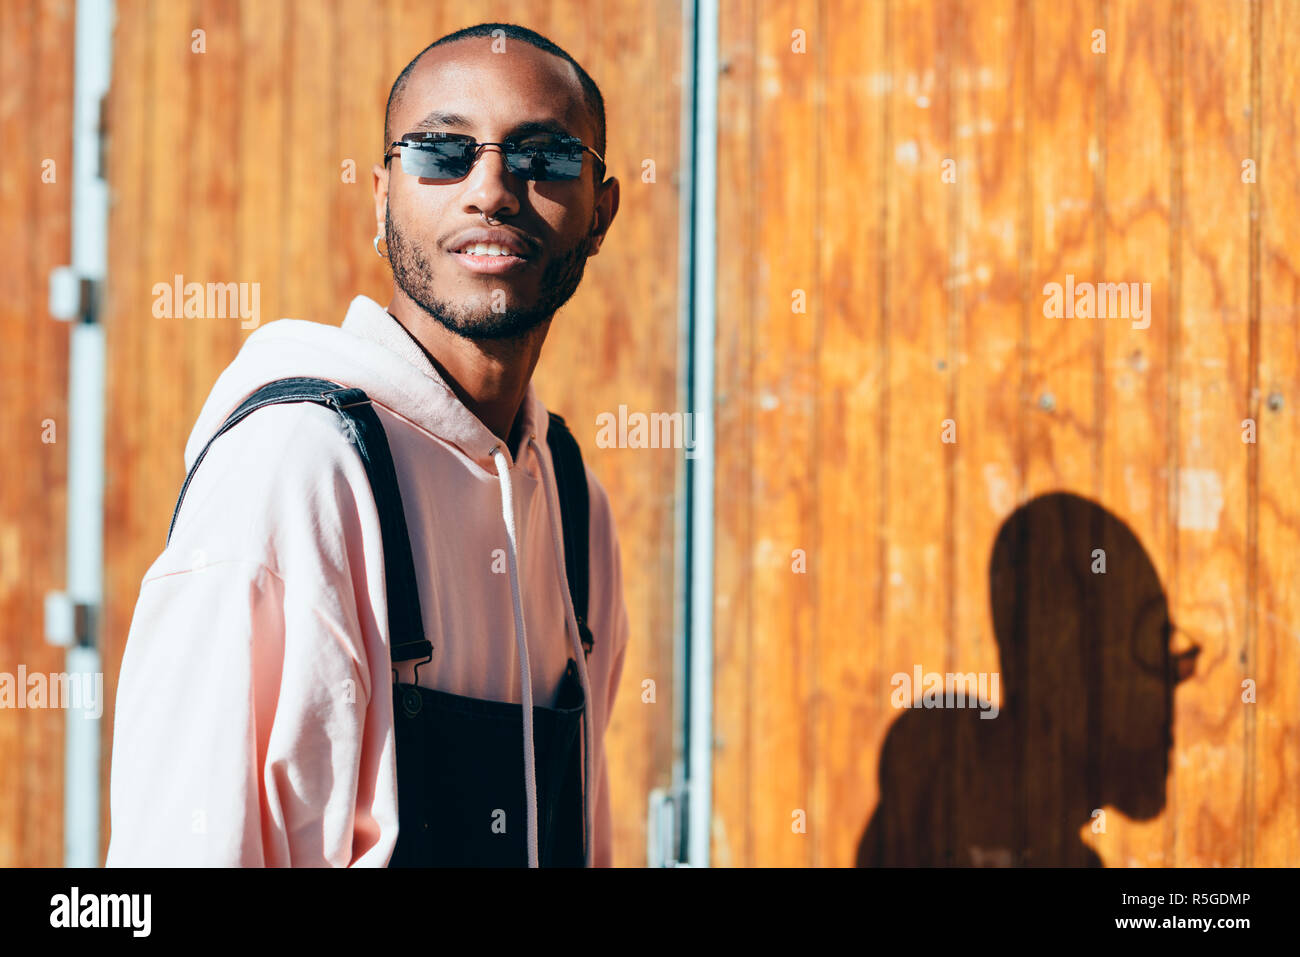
(384, 254)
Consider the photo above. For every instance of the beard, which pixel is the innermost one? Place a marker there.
(414, 276)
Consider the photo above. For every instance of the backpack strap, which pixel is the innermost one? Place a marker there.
(364, 428)
(575, 515)
(367, 434)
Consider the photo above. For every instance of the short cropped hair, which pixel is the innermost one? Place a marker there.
(591, 92)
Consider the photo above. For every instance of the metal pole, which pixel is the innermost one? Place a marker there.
(700, 468)
(72, 617)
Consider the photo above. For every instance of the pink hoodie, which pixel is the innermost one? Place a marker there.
(254, 717)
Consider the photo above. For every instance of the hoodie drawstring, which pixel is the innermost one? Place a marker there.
(521, 643)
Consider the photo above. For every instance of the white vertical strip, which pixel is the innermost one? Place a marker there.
(94, 51)
(93, 69)
(667, 848)
(704, 329)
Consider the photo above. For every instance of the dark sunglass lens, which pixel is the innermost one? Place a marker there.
(436, 159)
(546, 158)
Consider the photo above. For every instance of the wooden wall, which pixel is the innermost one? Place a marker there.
(35, 235)
(925, 303)
(226, 166)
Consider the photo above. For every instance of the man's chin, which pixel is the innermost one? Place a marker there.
(482, 326)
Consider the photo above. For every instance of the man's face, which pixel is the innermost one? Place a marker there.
(561, 222)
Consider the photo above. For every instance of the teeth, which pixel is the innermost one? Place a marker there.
(485, 249)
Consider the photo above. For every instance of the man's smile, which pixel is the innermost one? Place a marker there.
(489, 262)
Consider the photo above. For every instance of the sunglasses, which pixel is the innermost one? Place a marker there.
(450, 156)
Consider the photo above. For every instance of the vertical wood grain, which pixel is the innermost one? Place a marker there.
(924, 302)
(36, 127)
(917, 570)
(1073, 433)
(848, 712)
(1212, 368)
(1277, 607)
(990, 297)
(1135, 413)
(733, 826)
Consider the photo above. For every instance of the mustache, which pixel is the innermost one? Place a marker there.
(413, 271)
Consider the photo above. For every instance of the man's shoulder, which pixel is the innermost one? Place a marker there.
(282, 442)
(284, 471)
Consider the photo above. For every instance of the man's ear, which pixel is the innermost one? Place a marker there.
(606, 209)
(379, 175)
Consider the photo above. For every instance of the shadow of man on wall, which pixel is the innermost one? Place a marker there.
(1084, 722)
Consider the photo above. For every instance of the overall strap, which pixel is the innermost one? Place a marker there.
(363, 428)
(571, 477)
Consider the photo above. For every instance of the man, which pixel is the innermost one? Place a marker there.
(256, 718)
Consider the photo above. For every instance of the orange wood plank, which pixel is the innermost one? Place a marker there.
(1276, 757)
(849, 712)
(990, 298)
(1134, 405)
(732, 839)
(36, 126)
(910, 822)
(1212, 361)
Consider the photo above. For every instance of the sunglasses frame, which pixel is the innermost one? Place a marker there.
(426, 136)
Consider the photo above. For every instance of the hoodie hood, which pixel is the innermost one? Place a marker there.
(359, 355)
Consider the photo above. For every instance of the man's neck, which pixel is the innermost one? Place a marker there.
(490, 377)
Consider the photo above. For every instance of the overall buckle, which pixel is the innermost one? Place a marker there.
(345, 398)
(412, 701)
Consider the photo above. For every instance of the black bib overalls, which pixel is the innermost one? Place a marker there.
(460, 779)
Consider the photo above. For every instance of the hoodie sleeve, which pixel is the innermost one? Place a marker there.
(246, 730)
(603, 855)
(608, 590)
